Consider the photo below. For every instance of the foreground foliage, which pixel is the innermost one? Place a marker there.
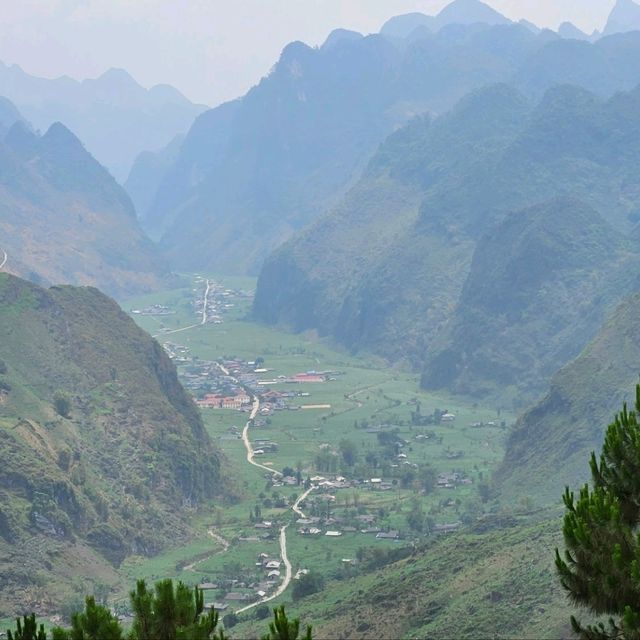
(166, 612)
(601, 565)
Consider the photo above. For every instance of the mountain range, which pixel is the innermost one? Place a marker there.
(63, 217)
(253, 172)
(101, 449)
(113, 115)
(412, 262)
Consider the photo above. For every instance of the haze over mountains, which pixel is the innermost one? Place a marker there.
(63, 218)
(252, 172)
(113, 115)
(401, 265)
(457, 195)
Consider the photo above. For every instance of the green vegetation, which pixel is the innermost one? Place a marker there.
(114, 469)
(550, 442)
(599, 569)
(397, 267)
(167, 612)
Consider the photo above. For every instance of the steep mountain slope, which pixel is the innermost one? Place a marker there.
(114, 116)
(538, 289)
(385, 270)
(112, 476)
(9, 115)
(625, 16)
(551, 443)
(63, 218)
(148, 171)
(252, 172)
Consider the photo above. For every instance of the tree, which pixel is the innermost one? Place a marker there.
(307, 584)
(27, 629)
(62, 404)
(600, 569)
(349, 452)
(262, 612)
(428, 478)
(169, 613)
(283, 629)
(94, 623)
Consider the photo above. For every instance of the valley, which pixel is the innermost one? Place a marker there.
(334, 456)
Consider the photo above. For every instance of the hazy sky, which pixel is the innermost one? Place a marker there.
(212, 50)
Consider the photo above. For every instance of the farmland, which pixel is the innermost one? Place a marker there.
(387, 458)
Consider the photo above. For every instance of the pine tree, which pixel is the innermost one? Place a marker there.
(601, 565)
(27, 629)
(283, 629)
(172, 613)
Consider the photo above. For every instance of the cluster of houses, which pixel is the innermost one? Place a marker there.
(217, 298)
(154, 310)
(336, 527)
(218, 401)
(452, 480)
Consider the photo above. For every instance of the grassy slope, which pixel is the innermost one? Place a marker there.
(115, 476)
(552, 441)
(500, 583)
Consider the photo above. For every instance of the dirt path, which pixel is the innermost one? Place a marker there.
(4, 259)
(205, 302)
(191, 326)
(220, 540)
(247, 442)
(288, 572)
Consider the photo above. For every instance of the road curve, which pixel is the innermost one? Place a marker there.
(247, 442)
(4, 259)
(288, 573)
(191, 326)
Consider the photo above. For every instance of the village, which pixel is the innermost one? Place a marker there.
(345, 464)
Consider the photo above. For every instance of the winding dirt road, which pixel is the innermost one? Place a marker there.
(288, 573)
(247, 442)
(191, 326)
(220, 540)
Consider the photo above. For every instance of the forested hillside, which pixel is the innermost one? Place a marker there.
(551, 441)
(102, 453)
(393, 266)
(64, 219)
(254, 171)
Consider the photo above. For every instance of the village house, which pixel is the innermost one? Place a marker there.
(388, 535)
(235, 596)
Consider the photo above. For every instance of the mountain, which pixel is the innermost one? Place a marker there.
(148, 171)
(63, 218)
(114, 473)
(625, 16)
(569, 30)
(9, 115)
(386, 269)
(252, 172)
(539, 286)
(551, 443)
(114, 116)
(464, 12)
(255, 171)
